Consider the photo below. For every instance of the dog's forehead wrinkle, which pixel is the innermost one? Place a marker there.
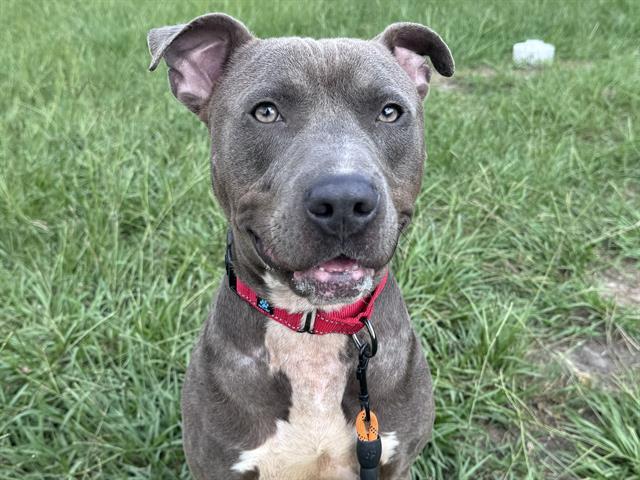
(316, 64)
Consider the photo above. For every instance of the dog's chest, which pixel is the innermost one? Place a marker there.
(316, 441)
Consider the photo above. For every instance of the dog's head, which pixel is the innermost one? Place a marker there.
(317, 147)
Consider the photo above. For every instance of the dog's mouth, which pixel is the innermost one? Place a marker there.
(338, 280)
(339, 269)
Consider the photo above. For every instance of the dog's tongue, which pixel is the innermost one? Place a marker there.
(337, 269)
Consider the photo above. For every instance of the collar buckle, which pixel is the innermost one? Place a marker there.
(369, 349)
(308, 322)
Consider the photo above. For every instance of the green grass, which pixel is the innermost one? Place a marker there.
(111, 244)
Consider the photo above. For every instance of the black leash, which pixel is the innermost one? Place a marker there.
(369, 446)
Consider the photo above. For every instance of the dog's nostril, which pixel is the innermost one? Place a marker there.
(363, 208)
(322, 210)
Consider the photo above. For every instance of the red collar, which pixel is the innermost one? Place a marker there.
(348, 320)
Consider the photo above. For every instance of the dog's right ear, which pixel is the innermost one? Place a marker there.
(196, 54)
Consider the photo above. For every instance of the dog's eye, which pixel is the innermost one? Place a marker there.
(266, 112)
(390, 113)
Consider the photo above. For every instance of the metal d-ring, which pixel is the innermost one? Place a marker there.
(373, 346)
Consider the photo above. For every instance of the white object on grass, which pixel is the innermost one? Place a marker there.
(533, 52)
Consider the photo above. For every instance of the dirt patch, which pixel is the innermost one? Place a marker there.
(622, 285)
(551, 452)
(446, 84)
(463, 80)
(597, 361)
(603, 361)
(546, 445)
(499, 434)
(460, 81)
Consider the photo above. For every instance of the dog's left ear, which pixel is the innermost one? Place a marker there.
(410, 43)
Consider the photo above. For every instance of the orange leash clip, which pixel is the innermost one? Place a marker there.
(369, 446)
(364, 434)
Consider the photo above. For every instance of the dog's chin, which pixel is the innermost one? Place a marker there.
(337, 281)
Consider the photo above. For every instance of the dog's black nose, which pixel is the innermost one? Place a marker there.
(342, 205)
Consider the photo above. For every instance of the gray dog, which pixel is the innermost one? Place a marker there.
(317, 160)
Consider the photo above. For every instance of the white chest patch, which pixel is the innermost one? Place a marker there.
(316, 442)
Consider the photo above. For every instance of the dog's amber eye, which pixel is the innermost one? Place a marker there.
(266, 112)
(390, 113)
